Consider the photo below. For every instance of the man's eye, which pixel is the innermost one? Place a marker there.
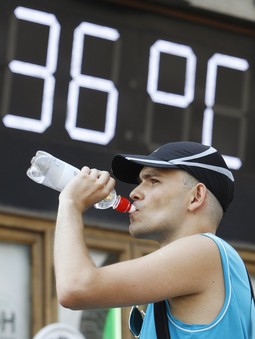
(154, 181)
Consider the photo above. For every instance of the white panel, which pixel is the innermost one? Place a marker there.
(15, 291)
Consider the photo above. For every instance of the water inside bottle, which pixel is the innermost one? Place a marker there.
(108, 201)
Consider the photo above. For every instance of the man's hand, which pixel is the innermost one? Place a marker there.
(88, 187)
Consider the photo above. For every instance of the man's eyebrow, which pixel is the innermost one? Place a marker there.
(148, 174)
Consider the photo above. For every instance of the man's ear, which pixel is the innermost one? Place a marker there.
(198, 196)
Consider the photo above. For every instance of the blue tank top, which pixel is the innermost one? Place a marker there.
(236, 319)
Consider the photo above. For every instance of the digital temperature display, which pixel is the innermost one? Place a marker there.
(84, 80)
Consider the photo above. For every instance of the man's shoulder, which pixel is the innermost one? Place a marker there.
(195, 250)
(196, 242)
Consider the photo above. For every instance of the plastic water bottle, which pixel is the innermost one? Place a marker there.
(54, 173)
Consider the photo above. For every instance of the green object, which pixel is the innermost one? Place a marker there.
(112, 327)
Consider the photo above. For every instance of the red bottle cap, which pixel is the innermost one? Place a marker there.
(124, 205)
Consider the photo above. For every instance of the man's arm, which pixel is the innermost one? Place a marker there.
(70, 251)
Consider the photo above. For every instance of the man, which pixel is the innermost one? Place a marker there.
(182, 192)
